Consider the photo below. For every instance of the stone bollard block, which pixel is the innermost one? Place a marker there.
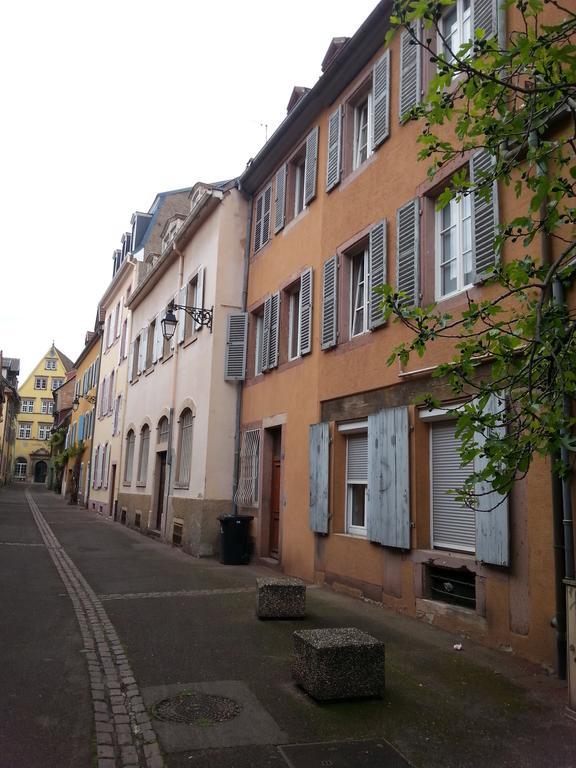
(280, 598)
(340, 663)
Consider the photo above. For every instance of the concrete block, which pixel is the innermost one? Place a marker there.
(340, 663)
(280, 598)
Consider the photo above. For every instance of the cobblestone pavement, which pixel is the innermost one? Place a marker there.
(125, 737)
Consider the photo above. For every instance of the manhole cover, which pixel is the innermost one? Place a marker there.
(194, 708)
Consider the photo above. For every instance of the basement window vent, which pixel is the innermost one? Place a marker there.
(137, 519)
(177, 531)
(457, 587)
(123, 516)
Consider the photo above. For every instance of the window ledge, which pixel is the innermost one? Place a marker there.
(136, 380)
(165, 359)
(126, 484)
(140, 485)
(182, 486)
(149, 370)
(187, 342)
(355, 536)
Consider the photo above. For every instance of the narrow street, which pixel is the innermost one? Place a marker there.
(100, 624)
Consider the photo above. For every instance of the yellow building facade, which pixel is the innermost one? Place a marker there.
(35, 420)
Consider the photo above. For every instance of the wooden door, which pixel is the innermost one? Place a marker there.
(161, 489)
(275, 508)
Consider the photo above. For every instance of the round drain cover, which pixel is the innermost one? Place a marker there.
(196, 708)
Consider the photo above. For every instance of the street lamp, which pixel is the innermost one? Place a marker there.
(76, 402)
(198, 314)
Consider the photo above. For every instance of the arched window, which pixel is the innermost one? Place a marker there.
(185, 448)
(163, 430)
(143, 455)
(21, 467)
(130, 440)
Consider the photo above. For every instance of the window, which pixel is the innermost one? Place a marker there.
(135, 358)
(453, 523)
(294, 324)
(116, 415)
(356, 482)
(456, 28)
(143, 457)
(194, 298)
(362, 131)
(150, 345)
(20, 472)
(457, 587)
(44, 431)
(262, 218)
(25, 430)
(50, 364)
(163, 430)
(454, 256)
(359, 301)
(130, 440)
(123, 339)
(27, 406)
(247, 493)
(185, 448)
(56, 383)
(298, 171)
(259, 329)
(47, 406)
(41, 382)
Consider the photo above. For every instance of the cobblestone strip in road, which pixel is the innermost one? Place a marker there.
(125, 737)
(180, 593)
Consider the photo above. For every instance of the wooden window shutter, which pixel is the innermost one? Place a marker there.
(274, 338)
(381, 100)
(142, 350)
(410, 58)
(81, 428)
(334, 149)
(319, 462)
(329, 325)
(377, 255)
(236, 338)
(199, 294)
(265, 236)
(181, 329)
(407, 251)
(388, 509)
(484, 216)
(485, 17)
(492, 528)
(306, 312)
(157, 337)
(266, 334)
(311, 166)
(280, 198)
(131, 361)
(258, 223)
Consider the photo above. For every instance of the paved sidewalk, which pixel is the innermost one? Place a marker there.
(159, 624)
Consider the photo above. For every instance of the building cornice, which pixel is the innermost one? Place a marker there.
(115, 282)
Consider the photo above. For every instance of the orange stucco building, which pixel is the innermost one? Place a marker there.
(344, 474)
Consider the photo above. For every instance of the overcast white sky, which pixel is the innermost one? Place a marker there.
(105, 104)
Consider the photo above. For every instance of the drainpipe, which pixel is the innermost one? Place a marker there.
(240, 385)
(93, 427)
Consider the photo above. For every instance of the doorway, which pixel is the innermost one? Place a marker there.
(40, 472)
(275, 436)
(112, 486)
(160, 489)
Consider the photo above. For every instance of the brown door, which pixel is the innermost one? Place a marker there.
(112, 486)
(275, 508)
(161, 489)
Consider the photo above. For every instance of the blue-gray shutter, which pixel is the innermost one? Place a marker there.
(333, 163)
(329, 327)
(280, 199)
(377, 273)
(410, 58)
(492, 529)
(319, 460)
(381, 100)
(81, 428)
(274, 337)
(485, 17)
(236, 337)
(484, 216)
(407, 252)
(310, 166)
(258, 223)
(388, 512)
(266, 317)
(306, 312)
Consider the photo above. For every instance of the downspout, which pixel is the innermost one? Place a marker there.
(240, 385)
(93, 426)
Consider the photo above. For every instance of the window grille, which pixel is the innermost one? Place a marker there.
(248, 481)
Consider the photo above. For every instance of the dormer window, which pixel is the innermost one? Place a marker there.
(170, 233)
(196, 197)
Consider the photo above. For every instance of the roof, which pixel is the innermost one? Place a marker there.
(12, 364)
(155, 209)
(66, 362)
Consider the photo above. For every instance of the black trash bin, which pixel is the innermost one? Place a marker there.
(235, 539)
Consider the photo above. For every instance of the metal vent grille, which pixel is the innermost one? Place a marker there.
(137, 519)
(177, 532)
(457, 587)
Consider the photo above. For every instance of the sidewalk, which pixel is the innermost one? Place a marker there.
(188, 624)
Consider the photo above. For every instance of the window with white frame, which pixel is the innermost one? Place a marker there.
(50, 364)
(456, 28)
(356, 435)
(294, 315)
(143, 456)
(130, 441)
(47, 406)
(20, 471)
(56, 383)
(359, 297)
(44, 431)
(259, 329)
(40, 382)
(27, 405)
(262, 218)
(247, 493)
(362, 131)
(25, 430)
(163, 430)
(185, 448)
(454, 256)
(299, 171)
